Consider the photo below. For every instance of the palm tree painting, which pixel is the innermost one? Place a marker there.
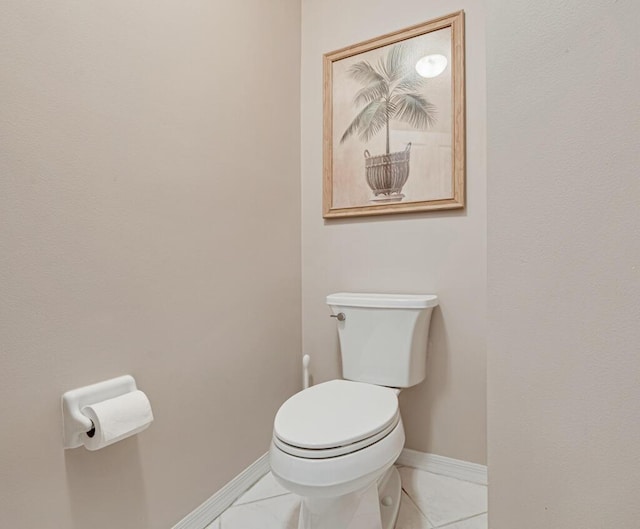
(390, 90)
(394, 122)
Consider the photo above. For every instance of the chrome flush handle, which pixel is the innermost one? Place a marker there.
(340, 316)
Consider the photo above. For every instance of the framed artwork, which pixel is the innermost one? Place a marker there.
(394, 122)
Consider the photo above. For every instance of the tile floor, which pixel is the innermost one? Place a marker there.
(429, 501)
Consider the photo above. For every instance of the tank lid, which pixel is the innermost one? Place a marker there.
(383, 301)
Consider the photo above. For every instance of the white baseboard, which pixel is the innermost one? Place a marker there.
(445, 466)
(222, 500)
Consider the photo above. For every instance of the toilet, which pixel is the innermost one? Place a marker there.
(334, 444)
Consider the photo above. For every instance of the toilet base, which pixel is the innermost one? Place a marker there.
(389, 496)
(375, 507)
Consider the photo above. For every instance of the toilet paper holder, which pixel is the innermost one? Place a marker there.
(74, 422)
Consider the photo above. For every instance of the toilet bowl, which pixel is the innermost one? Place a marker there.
(334, 444)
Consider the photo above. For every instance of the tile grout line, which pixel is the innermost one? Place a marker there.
(415, 505)
(448, 524)
(260, 499)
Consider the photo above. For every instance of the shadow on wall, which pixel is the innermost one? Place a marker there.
(106, 487)
(416, 415)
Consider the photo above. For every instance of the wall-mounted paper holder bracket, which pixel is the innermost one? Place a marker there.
(74, 422)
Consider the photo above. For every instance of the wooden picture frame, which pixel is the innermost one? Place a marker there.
(394, 122)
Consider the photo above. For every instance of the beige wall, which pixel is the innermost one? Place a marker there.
(564, 264)
(149, 224)
(443, 253)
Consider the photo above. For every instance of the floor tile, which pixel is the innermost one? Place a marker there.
(409, 516)
(477, 522)
(280, 512)
(266, 487)
(441, 499)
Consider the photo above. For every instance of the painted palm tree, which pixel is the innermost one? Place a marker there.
(391, 90)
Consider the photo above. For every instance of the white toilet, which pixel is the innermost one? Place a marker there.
(334, 444)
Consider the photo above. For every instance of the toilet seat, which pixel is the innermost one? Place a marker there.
(338, 450)
(335, 418)
(334, 476)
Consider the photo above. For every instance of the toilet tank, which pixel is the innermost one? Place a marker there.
(383, 337)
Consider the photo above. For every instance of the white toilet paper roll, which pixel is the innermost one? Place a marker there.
(117, 418)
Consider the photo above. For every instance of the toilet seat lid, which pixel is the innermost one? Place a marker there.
(335, 413)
